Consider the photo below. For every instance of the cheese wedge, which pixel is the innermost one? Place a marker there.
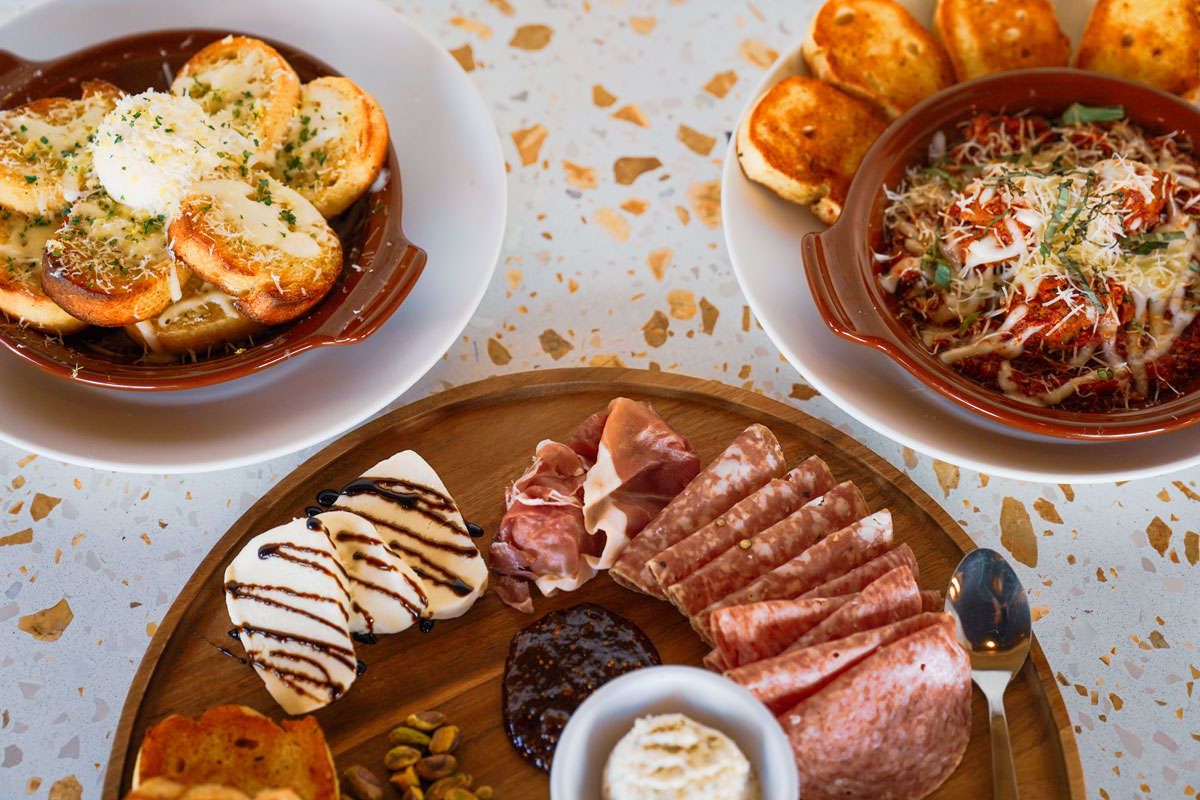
(417, 519)
(289, 598)
(386, 596)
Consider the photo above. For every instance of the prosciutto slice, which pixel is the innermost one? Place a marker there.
(641, 463)
(541, 536)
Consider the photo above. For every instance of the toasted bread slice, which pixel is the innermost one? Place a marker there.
(986, 36)
(804, 140)
(22, 244)
(1152, 41)
(109, 265)
(877, 51)
(263, 243)
(245, 84)
(203, 319)
(45, 161)
(163, 789)
(335, 147)
(238, 747)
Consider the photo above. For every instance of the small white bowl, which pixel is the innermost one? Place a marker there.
(600, 722)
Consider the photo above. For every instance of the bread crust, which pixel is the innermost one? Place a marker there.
(245, 83)
(804, 140)
(332, 156)
(876, 50)
(987, 36)
(268, 283)
(1153, 41)
(237, 747)
(22, 242)
(39, 177)
(109, 266)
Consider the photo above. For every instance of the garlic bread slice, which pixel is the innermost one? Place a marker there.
(987, 36)
(1152, 41)
(22, 242)
(261, 242)
(243, 83)
(203, 320)
(109, 265)
(335, 146)
(45, 160)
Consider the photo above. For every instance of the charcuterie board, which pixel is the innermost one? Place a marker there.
(479, 438)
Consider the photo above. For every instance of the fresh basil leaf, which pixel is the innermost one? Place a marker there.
(1079, 114)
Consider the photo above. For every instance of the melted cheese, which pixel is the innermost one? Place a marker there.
(153, 146)
(244, 213)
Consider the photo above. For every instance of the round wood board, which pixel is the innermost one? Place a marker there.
(479, 438)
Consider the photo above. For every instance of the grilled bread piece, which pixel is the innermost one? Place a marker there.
(335, 147)
(262, 243)
(238, 747)
(109, 265)
(877, 51)
(45, 161)
(986, 36)
(804, 140)
(22, 243)
(245, 84)
(203, 319)
(1152, 41)
(163, 789)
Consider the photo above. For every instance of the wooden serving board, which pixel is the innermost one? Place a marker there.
(479, 438)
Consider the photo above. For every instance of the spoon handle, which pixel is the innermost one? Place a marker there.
(1004, 774)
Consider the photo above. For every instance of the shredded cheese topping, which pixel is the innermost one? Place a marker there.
(1056, 262)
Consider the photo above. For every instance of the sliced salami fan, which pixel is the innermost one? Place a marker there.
(889, 599)
(931, 600)
(760, 630)
(895, 725)
(747, 464)
(856, 579)
(783, 681)
(756, 513)
(834, 555)
(783, 541)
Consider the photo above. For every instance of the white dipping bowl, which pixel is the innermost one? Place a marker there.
(599, 723)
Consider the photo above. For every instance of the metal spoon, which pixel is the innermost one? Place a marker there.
(992, 620)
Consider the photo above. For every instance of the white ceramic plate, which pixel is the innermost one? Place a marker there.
(763, 234)
(452, 174)
(710, 699)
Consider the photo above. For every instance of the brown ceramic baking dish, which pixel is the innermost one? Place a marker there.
(380, 265)
(841, 270)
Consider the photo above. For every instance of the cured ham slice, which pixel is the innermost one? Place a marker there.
(894, 725)
(755, 631)
(756, 513)
(889, 599)
(641, 463)
(856, 579)
(542, 536)
(833, 555)
(783, 681)
(783, 541)
(288, 598)
(747, 464)
(931, 600)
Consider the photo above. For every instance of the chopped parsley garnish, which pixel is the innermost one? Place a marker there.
(30, 178)
(288, 217)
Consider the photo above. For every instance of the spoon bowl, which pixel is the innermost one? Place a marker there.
(992, 623)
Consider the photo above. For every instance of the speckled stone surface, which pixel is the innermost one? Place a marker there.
(613, 116)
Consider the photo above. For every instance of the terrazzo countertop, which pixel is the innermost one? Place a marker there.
(613, 116)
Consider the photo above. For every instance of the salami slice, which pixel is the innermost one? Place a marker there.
(889, 599)
(756, 513)
(715, 661)
(783, 541)
(895, 725)
(749, 462)
(858, 578)
(834, 555)
(783, 681)
(760, 630)
(931, 600)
